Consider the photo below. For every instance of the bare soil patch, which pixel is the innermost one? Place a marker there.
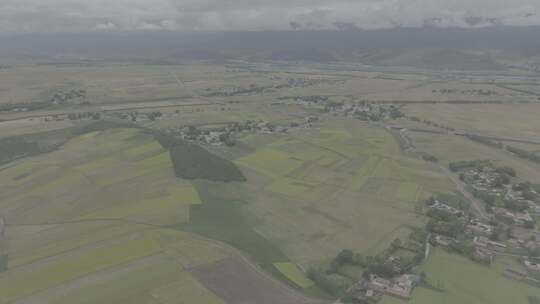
(236, 282)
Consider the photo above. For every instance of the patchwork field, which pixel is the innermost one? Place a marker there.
(134, 266)
(448, 148)
(235, 283)
(513, 120)
(88, 223)
(330, 187)
(97, 176)
(112, 216)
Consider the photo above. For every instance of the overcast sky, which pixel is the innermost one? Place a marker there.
(233, 15)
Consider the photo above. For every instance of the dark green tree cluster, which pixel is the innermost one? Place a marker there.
(486, 197)
(486, 141)
(524, 154)
(506, 171)
(332, 284)
(78, 116)
(154, 115)
(191, 161)
(444, 223)
(468, 164)
(430, 158)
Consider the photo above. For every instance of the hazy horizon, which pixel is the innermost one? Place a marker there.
(28, 16)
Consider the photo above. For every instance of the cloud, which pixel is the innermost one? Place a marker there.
(106, 26)
(231, 15)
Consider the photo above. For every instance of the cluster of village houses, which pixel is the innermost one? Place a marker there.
(362, 110)
(485, 250)
(487, 180)
(479, 234)
(225, 134)
(438, 205)
(520, 239)
(253, 89)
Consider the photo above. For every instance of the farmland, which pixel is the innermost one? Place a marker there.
(111, 198)
(316, 181)
(515, 120)
(107, 238)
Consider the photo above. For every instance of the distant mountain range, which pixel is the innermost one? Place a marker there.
(427, 47)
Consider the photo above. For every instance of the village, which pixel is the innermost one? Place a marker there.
(362, 110)
(224, 135)
(510, 231)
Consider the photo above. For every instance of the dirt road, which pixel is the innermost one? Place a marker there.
(477, 205)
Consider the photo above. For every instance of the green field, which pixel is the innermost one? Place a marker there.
(466, 282)
(271, 162)
(68, 269)
(161, 282)
(96, 224)
(222, 219)
(85, 237)
(295, 275)
(318, 191)
(125, 210)
(407, 191)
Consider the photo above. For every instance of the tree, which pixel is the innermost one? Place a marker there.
(327, 282)
(495, 235)
(345, 257)
(423, 277)
(226, 139)
(430, 158)
(530, 195)
(506, 170)
(430, 201)
(396, 244)
(526, 186)
(380, 267)
(509, 232)
(359, 259)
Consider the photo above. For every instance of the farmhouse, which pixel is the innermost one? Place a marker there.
(486, 243)
(400, 287)
(446, 208)
(483, 255)
(532, 265)
(443, 240)
(515, 274)
(533, 207)
(519, 218)
(480, 228)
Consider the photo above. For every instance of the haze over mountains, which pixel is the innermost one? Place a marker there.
(425, 47)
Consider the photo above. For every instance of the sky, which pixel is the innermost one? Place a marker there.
(27, 16)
